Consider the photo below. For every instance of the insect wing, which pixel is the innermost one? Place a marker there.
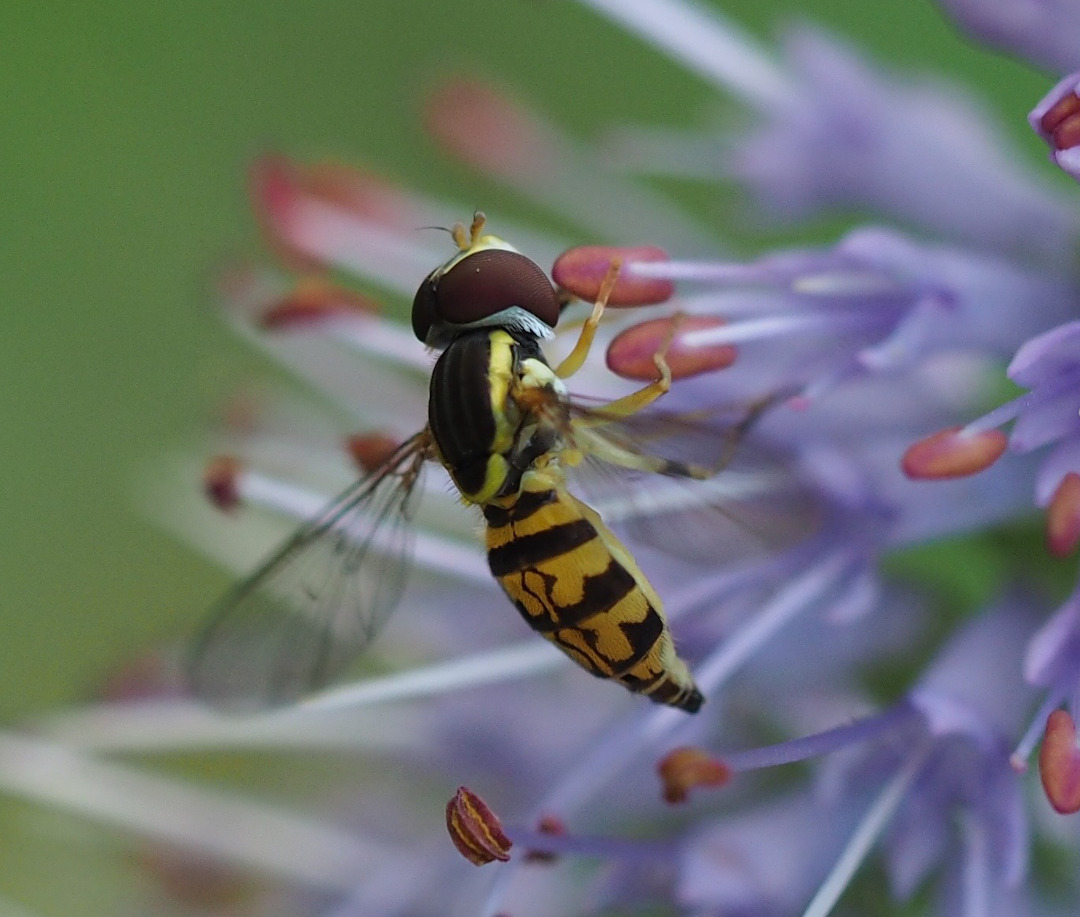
(296, 623)
(690, 485)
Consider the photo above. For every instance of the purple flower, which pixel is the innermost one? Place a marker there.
(1045, 32)
(807, 373)
(1057, 120)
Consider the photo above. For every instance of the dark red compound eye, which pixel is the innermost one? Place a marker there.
(425, 309)
(481, 285)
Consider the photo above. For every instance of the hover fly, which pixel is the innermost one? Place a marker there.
(502, 424)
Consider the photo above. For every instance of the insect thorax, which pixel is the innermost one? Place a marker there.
(485, 436)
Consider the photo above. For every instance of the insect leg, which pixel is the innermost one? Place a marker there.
(576, 358)
(646, 395)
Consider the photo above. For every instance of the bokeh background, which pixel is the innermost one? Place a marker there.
(125, 133)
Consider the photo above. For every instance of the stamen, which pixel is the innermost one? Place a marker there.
(508, 663)
(1063, 517)
(865, 836)
(822, 743)
(953, 453)
(269, 840)
(582, 271)
(266, 302)
(683, 769)
(171, 725)
(1061, 122)
(631, 354)
(801, 273)
(1018, 760)
(778, 326)
(487, 129)
(475, 830)
(313, 300)
(707, 44)
(220, 482)
(281, 190)
(1000, 415)
(370, 450)
(796, 597)
(1059, 763)
(505, 140)
(317, 231)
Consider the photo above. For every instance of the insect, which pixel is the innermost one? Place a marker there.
(502, 424)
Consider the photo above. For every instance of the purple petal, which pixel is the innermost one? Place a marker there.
(1045, 32)
(921, 152)
(1045, 358)
(1063, 459)
(1054, 650)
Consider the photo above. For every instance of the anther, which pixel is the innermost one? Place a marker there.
(487, 129)
(1061, 122)
(220, 482)
(630, 355)
(370, 450)
(952, 453)
(1059, 763)
(582, 271)
(475, 830)
(684, 769)
(1063, 517)
(313, 300)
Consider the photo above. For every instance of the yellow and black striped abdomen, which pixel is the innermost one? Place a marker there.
(574, 582)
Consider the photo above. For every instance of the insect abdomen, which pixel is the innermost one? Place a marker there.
(575, 583)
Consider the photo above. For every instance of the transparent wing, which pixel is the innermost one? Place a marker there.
(296, 623)
(691, 485)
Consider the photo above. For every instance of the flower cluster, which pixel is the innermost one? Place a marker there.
(860, 373)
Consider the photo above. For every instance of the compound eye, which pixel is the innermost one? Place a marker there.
(425, 308)
(487, 282)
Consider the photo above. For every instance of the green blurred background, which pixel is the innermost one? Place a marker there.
(125, 133)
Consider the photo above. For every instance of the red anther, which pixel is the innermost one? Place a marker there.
(1067, 134)
(1062, 122)
(1059, 763)
(582, 270)
(683, 769)
(370, 450)
(487, 129)
(1063, 517)
(280, 188)
(313, 300)
(276, 188)
(220, 482)
(548, 824)
(952, 453)
(475, 830)
(631, 354)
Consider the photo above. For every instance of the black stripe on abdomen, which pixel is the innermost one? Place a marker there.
(530, 550)
(529, 502)
(600, 593)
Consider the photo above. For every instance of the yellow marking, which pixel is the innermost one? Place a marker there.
(500, 378)
(619, 552)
